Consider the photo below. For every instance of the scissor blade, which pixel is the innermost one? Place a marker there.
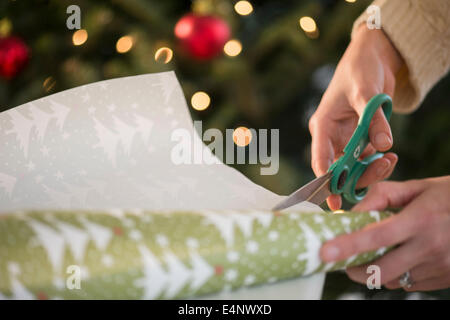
(316, 191)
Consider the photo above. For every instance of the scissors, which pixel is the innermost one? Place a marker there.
(343, 174)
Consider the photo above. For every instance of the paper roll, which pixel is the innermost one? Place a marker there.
(148, 255)
(109, 145)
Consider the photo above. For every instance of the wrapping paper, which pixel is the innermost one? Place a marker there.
(149, 255)
(80, 158)
(109, 145)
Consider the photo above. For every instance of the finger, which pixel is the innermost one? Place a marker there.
(369, 150)
(390, 231)
(389, 194)
(431, 284)
(322, 152)
(334, 202)
(427, 270)
(393, 264)
(380, 132)
(378, 170)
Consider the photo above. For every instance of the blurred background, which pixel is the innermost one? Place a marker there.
(253, 64)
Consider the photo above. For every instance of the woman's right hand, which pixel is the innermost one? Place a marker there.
(367, 68)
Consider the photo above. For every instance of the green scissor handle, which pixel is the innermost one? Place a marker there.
(348, 169)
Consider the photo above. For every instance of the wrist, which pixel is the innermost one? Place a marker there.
(379, 42)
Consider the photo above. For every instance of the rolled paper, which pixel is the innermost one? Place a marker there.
(134, 254)
(116, 144)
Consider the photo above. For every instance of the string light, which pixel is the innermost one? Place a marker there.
(203, 7)
(351, 1)
(48, 84)
(308, 24)
(5, 27)
(242, 136)
(124, 44)
(200, 100)
(232, 48)
(243, 8)
(164, 55)
(79, 37)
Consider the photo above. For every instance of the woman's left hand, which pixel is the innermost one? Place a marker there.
(421, 229)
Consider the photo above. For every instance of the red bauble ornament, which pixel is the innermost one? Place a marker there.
(203, 37)
(14, 55)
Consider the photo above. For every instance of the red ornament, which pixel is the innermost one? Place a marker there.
(14, 55)
(203, 37)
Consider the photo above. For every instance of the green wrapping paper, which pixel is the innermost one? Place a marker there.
(119, 254)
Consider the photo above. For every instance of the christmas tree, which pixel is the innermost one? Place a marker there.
(257, 64)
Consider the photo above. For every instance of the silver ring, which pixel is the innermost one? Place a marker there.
(405, 280)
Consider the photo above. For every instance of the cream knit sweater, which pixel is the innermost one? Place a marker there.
(420, 30)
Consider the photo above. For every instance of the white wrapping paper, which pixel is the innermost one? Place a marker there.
(108, 145)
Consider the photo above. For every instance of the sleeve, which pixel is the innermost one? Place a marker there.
(420, 31)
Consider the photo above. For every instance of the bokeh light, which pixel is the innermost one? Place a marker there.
(184, 27)
(200, 100)
(5, 27)
(242, 136)
(308, 24)
(124, 44)
(48, 84)
(163, 55)
(232, 48)
(79, 37)
(243, 8)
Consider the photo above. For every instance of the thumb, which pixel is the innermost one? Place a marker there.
(380, 134)
(322, 152)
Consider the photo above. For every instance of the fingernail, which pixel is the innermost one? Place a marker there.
(315, 166)
(331, 253)
(381, 171)
(382, 140)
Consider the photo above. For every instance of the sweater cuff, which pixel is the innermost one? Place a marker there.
(420, 44)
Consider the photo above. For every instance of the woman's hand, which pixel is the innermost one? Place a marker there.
(367, 68)
(422, 229)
